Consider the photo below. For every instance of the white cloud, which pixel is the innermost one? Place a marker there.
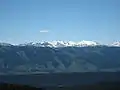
(44, 31)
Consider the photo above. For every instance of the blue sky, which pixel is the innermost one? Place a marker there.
(45, 20)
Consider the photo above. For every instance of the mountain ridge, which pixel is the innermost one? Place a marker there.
(59, 43)
(34, 59)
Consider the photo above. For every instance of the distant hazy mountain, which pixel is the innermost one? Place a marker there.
(58, 56)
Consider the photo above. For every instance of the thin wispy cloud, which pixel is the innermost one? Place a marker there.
(44, 31)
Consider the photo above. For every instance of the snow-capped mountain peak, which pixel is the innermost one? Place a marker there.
(5, 44)
(87, 43)
(116, 43)
(59, 43)
(27, 44)
(66, 43)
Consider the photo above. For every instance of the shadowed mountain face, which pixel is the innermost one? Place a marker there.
(32, 59)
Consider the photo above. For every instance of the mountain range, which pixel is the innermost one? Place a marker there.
(59, 56)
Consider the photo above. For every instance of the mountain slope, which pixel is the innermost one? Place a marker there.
(31, 58)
